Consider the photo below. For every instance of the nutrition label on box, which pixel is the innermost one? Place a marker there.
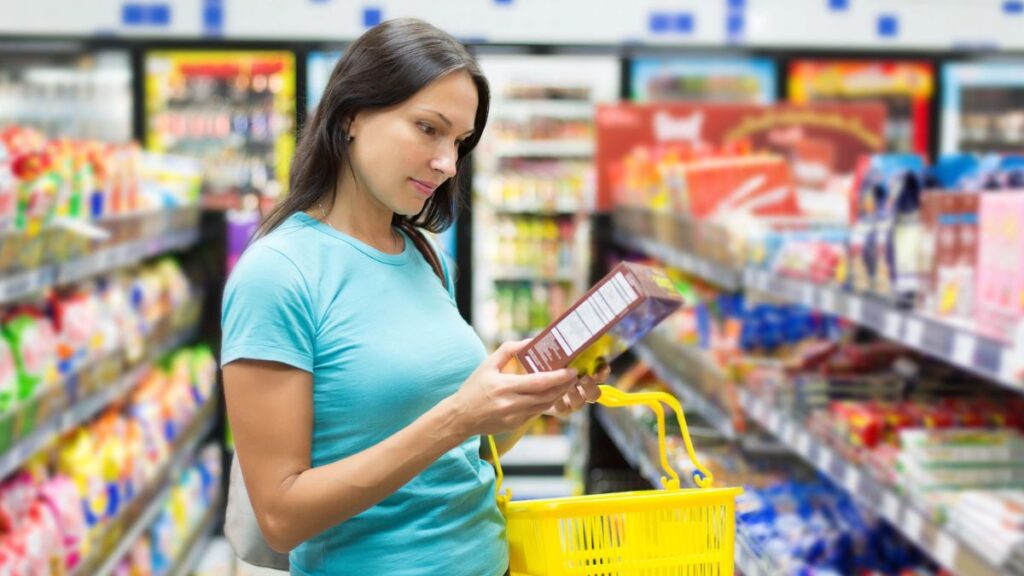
(594, 314)
(620, 309)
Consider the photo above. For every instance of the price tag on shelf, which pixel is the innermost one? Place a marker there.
(912, 525)
(963, 348)
(789, 433)
(945, 550)
(915, 332)
(761, 410)
(892, 325)
(852, 479)
(1011, 366)
(803, 444)
(891, 507)
(828, 300)
(807, 295)
(825, 458)
(855, 308)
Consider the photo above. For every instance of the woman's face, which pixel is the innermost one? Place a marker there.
(400, 155)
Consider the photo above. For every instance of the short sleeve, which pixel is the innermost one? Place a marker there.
(267, 311)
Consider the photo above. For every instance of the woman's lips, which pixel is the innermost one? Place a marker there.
(422, 187)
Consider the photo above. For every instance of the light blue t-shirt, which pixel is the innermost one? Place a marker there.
(384, 342)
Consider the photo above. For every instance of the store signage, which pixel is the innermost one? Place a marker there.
(818, 140)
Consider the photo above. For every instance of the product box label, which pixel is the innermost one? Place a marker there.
(619, 310)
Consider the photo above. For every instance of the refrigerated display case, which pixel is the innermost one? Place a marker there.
(705, 79)
(533, 197)
(81, 94)
(533, 189)
(983, 107)
(233, 110)
(905, 87)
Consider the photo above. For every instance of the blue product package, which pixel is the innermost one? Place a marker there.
(952, 170)
(703, 315)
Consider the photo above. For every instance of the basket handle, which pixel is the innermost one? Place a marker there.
(614, 398)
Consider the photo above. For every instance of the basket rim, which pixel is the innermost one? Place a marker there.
(619, 502)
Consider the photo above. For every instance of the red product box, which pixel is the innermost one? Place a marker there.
(616, 312)
(761, 186)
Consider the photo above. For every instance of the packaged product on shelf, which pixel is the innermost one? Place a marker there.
(8, 390)
(950, 220)
(888, 195)
(619, 310)
(993, 521)
(1000, 288)
(815, 528)
(961, 458)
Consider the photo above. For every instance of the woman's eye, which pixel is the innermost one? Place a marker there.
(426, 129)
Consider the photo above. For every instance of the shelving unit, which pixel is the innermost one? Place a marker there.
(18, 285)
(960, 346)
(538, 450)
(142, 512)
(200, 539)
(947, 548)
(83, 410)
(545, 149)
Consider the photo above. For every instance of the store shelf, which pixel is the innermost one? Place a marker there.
(630, 440)
(545, 149)
(536, 450)
(128, 254)
(122, 533)
(539, 487)
(200, 539)
(19, 285)
(691, 399)
(535, 210)
(562, 109)
(867, 490)
(957, 345)
(85, 409)
(945, 547)
(724, 276)
(531, 275)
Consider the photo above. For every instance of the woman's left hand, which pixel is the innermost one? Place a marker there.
(581, 392)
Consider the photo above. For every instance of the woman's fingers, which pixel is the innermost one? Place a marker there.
(589, 389)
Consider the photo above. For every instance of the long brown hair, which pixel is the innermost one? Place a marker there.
(384, 67)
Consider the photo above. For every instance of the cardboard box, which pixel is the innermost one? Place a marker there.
(1000, 293)
(950, 250)
(756, 185)
(619, 310)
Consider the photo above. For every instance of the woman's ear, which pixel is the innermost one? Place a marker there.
(351, 127)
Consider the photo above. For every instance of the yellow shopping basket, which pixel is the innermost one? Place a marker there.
(651, 532)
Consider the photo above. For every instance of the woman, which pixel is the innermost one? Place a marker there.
(356, 393)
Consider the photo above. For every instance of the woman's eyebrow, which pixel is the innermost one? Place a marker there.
(446, 120)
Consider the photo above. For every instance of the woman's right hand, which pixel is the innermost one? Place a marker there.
(493, 402)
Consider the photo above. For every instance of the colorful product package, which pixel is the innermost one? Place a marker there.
(1000, 288)
(619, 310)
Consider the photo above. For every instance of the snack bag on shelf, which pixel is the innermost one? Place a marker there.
(61, 496)
(34, 344)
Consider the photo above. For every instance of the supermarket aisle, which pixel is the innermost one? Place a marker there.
(843, 224)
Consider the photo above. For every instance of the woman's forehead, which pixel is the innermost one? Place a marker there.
(454, 96)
